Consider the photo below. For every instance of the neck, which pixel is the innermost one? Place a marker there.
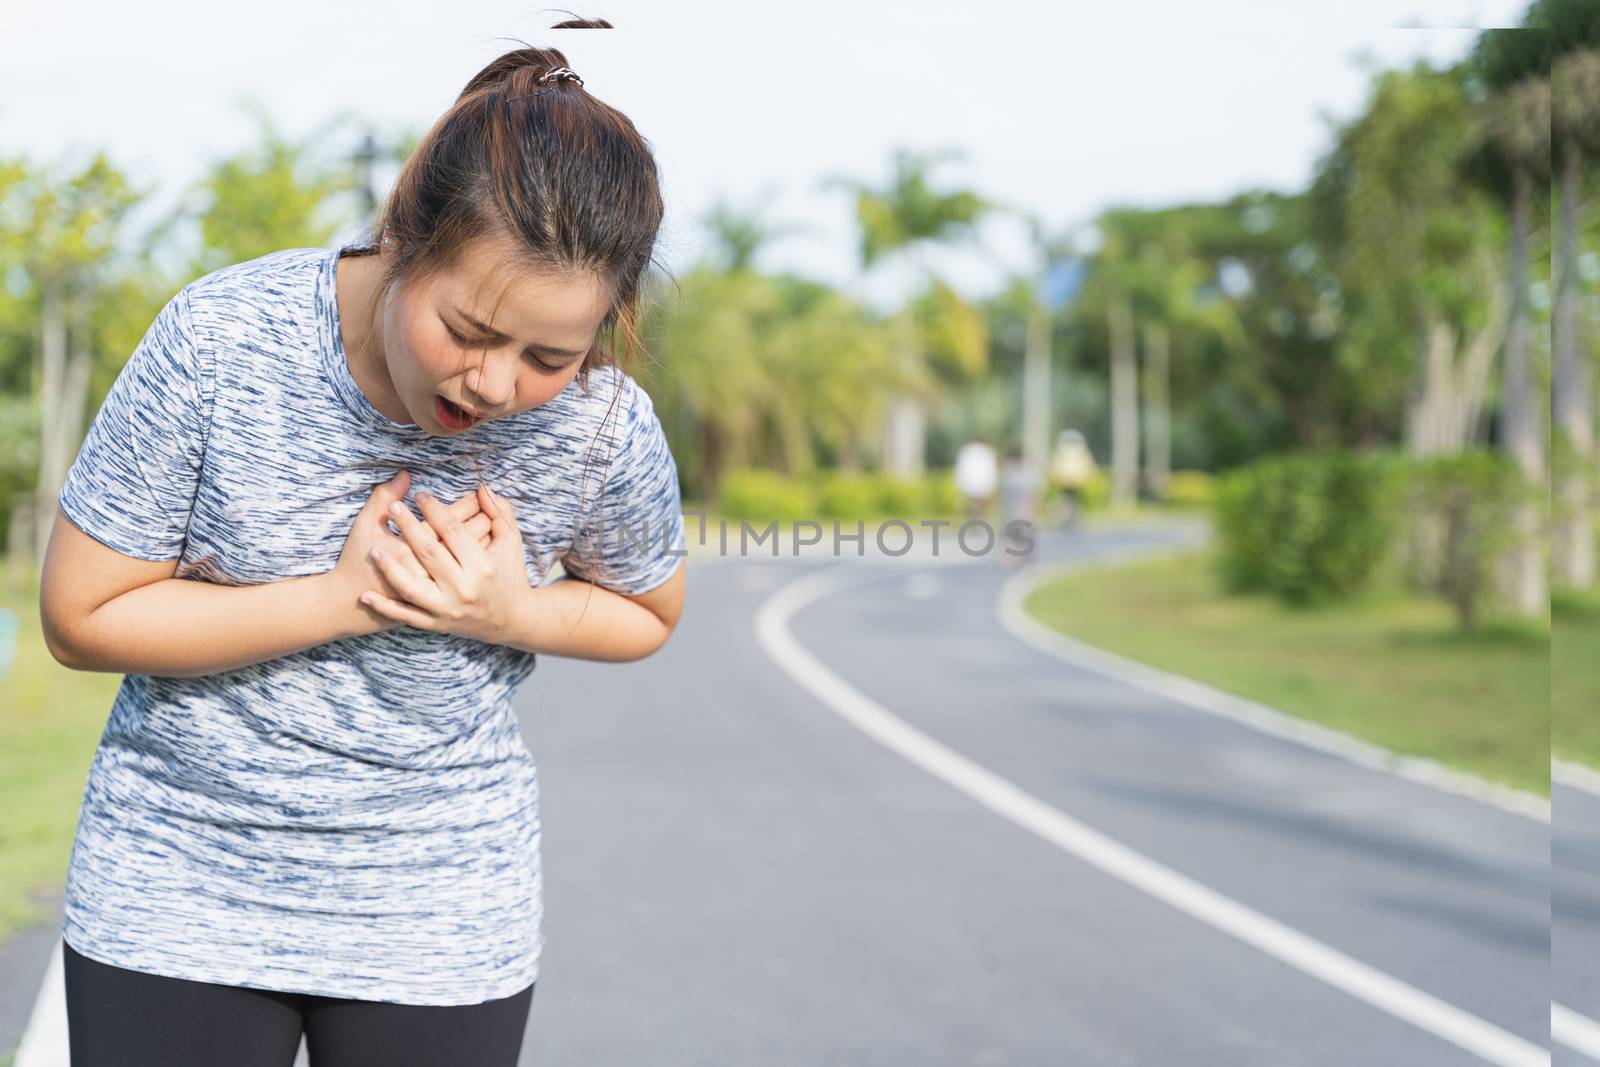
(355, 288)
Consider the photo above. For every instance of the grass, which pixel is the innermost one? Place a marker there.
(1390, 667)
(1575, 676)
(50, 722)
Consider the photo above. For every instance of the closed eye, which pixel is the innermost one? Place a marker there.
(467, 343)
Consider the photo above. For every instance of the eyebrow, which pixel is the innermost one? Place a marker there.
(551, 350)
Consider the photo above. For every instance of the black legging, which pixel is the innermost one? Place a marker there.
(123, 1018)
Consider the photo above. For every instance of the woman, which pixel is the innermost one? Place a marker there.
(312, 809)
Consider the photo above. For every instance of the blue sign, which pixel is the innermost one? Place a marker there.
(8, 640)
(1061, 282)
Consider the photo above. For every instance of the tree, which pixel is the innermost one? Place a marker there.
(738, 235)
(1514, 158)
(70, 230)
(902, 219)
(1575, 114)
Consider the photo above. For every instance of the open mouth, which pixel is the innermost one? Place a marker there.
(449, 415)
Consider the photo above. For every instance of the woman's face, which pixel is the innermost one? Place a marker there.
(445, 337)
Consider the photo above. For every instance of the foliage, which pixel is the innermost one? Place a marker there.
(1190, 489)
(1470, 498)
(1309, 526)
(764, 496)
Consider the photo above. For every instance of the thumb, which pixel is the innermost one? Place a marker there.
(386, 492)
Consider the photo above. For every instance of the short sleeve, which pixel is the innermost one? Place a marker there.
(133, 483)
(631, 540)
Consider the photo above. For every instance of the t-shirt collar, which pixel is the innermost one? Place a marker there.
(335, 362)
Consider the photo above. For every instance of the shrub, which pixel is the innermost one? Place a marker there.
(1097, 490)
(1463, 508)
(939, 493)
(900, 498)
(846, 495)
(1190, 489)
(760, 495)
(1308, 526)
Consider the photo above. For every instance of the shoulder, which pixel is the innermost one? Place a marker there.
(241, 290)
(608, 404)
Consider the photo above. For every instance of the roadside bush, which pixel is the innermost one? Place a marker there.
(900, 497)
(940, 496)
(19, 457)
(846, 495)
(760, 495)
(1462, 509)
(1097, 490)
(1190, 489)
(1308, 527)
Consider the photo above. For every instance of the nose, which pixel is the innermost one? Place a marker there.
(492, 385)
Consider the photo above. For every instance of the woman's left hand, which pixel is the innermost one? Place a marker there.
(469, 592)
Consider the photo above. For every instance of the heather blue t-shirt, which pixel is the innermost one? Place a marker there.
(359, 819)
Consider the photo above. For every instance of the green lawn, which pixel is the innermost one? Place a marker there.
(50, 723)
(1575, 677)
(1391, 668)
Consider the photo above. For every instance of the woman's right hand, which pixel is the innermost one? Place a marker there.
(356, 572)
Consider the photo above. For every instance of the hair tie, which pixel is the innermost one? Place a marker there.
(561, 74)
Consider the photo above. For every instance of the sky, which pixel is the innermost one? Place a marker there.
(1059, 109)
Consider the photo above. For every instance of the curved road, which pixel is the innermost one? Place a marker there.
(737, 874)
(915, 838)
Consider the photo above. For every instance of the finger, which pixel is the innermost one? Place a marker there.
(465, 506)
(419, 591)
(449, 529)
(424, 541)
(478, 528)
(390, 608)
(396, 549)
(393, 489)
(502, 514)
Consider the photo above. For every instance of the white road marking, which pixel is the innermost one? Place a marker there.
(1260, 717)
(1576, 776)
(44, 1042)
(1575, 1030)
(1400, 999)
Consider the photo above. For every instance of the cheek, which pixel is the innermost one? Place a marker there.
(549, 386)
(425, 354)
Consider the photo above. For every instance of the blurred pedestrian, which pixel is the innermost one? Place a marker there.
(1019, 502)
(1072, 467)
(977, 471)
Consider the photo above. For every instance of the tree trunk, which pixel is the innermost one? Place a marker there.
(63, 389)
(1157, 409)
(1036, 390)
(1572, 401)
(1124, 403)
(1525, 582)
(905, 431)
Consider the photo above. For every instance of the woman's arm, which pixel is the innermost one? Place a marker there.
(105, 611)
(574, 618)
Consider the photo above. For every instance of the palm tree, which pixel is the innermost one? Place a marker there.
(1514, 134)
(1575, 110)
(739, 235)
(902, 219)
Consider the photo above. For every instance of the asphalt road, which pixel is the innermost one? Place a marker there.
(941, 844)
(1575, 916)
(737, 874)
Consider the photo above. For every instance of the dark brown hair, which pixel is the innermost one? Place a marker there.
(543, 168)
